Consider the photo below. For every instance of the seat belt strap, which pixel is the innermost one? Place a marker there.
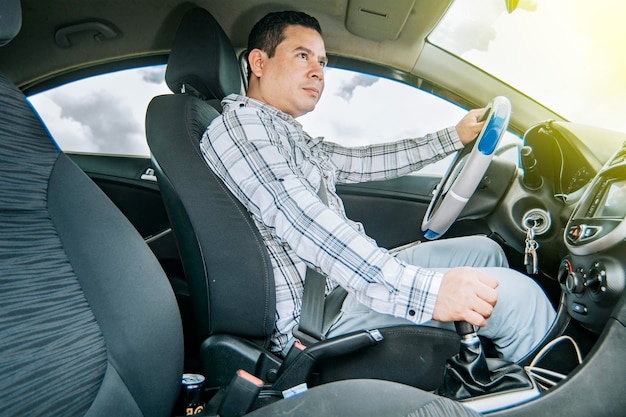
(313, 298)
(312, 314)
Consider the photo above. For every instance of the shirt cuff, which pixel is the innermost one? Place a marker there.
(421, 295)
(455, 140)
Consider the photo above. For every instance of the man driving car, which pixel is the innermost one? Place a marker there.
(286, 179)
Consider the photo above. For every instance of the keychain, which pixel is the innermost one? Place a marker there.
(530, 251)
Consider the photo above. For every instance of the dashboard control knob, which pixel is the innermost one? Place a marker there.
(575, 282)
(596, 279)
(564, 270)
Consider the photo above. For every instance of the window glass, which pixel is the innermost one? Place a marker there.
(568, 55)
(105, 114)
(359, 109)
(102, 114)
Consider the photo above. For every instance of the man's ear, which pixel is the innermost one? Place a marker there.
(256, 59)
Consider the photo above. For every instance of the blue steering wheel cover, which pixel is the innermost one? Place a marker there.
(493, 131)
(430, 235)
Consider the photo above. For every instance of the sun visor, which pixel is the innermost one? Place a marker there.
(377, 20)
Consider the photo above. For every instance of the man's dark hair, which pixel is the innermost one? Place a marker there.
(268, 32)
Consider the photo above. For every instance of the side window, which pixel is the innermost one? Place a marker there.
(105, 114)
(358, 109)
(102, 114)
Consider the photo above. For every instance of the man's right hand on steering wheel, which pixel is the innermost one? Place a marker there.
(470, 125)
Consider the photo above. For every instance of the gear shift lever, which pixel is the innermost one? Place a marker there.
(470, 343)
(470, 374)
(471, 352)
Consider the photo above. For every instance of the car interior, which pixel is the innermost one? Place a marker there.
(66, 302)
(112, 293)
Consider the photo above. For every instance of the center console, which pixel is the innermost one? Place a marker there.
(593, 275)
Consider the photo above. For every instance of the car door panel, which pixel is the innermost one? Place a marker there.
(391, 211)
(395, 219)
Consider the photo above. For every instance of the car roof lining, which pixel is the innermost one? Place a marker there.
(90, 47)
(409, 58)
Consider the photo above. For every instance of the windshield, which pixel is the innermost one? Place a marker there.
(566, 54)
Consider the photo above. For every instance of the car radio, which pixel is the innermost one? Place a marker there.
(597, 222)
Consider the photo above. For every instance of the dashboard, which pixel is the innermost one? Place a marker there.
(583, 197)
(569, 155)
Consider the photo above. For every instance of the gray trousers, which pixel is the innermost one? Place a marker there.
(521, 318)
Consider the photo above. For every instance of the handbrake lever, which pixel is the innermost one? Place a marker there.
(298, 369)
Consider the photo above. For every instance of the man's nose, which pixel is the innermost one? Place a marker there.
(317, 71)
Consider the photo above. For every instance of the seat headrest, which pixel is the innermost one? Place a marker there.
(202, 59)
(10, 20)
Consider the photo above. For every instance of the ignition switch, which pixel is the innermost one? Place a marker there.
(537, 219)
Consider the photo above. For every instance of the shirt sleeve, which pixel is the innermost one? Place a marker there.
(251, 159)
(391, 160)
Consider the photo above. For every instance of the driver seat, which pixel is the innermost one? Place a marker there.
(226, 263)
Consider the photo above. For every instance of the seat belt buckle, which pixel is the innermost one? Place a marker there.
(304, 337)
(240, 395)
(296, 349)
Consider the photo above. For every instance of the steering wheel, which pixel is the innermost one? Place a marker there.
(466, 171)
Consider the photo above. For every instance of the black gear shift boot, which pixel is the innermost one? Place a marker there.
(469, 374)
(461, 381)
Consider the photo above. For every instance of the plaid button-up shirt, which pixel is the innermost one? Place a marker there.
(275, 169)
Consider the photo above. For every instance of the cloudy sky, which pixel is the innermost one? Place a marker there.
(102, 114)
(581, 74)
(357, 109)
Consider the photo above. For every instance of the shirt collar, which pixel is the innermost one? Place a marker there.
(237, 100)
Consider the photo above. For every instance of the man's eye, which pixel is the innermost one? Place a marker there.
(302, 55)
(323, 64)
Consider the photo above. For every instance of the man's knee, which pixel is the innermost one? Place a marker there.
(483, 252)
(523, 298)
(518, 285)
(522, 316)
(494, 252)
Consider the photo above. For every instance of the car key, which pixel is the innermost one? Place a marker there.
(530, 251)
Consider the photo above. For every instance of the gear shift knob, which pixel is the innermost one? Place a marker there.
(463, 328)
(471, 350)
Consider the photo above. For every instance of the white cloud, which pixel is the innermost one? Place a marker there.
(102, 114)
(73, 133)
(380, 112)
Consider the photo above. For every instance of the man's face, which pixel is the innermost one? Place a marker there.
(293, 79)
